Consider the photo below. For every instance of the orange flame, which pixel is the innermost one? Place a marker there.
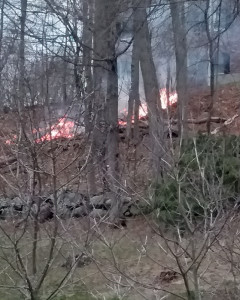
(12, 140)
(143, 109)
(63, 129)
(173, 98)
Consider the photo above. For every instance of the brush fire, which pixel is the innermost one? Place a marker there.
(64, 128)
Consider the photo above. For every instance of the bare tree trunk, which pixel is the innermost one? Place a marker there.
(88, 93)
(180, 41)
(22, 55)
(213, 48)
(105, 133)
(64, 76)
(134, 99)
(112, 108)
(100, 78)
(151, 91)
(87, 40)
(1, 40)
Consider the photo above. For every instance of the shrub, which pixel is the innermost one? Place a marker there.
(202, 182)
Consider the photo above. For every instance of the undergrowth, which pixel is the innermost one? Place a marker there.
(204, 180)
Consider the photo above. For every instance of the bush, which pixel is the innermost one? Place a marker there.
(199, 185)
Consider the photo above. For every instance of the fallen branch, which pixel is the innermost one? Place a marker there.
(202, 121)
(144, 123)
(227, 122)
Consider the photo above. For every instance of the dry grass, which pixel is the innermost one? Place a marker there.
(121, 257)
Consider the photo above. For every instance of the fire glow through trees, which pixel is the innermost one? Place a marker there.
(65, 128)
(143, 109)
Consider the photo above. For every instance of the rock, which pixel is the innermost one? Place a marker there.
(3, 213)
(65, 213)
(97, 213)
(17, 200)
(45, 214)
(71, 199)
(108, 203)
(134, 210)
(97, 200)
(79, 212)
(127, 200)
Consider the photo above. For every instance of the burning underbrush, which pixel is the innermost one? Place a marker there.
(166, 102)
(226, 106)
(65, 139)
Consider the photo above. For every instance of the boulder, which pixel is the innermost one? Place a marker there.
(71, 199)
(97, 201)
(79, 212)
(46, 213)
(97, 213)
(65, 213)
(130, 210)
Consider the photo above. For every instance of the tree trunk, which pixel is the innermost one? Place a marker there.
(112, 117)
(105, 132)
(180, 42)
(134, 99)
(64, 75)
(151, 89)
(22, 56)
(100, 78)
(88, 92)
(1, 40)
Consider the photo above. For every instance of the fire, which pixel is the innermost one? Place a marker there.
(165, 102)
(12, 140)
(143, 109)
(63, 129)
(142, 113)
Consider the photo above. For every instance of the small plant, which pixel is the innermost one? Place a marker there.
(205, 180)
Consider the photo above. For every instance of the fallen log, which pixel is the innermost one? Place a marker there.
(202, 121)
(227, 122)
(144, 123)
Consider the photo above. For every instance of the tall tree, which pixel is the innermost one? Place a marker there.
(100, 88)
(151, 87)
(23, 17)
(87, 39)
(134, 97)
(105, 133)
(180, 41)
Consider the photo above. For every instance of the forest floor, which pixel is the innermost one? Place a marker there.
(128, 262)
(132, 263)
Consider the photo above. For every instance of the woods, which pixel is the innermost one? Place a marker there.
(119, 140)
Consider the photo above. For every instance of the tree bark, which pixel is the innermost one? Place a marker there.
(151, 89)
(22, 55)
(180, 42)
(134, 98)
(100, 78)
(1, 40)
(88, 92)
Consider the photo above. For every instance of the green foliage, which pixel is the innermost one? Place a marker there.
(206, 174)
(217, 156)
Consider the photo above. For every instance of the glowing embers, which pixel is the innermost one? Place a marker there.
(143, 109)
(165, 102)
(63, 129)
